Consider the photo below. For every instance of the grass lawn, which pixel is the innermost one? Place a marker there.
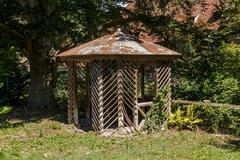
(51, 139)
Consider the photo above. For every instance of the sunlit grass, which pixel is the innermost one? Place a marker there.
(48, 139)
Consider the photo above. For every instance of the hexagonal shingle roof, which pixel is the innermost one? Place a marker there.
(119, 44)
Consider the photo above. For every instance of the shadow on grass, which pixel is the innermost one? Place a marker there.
(231, 144)
(18, 117)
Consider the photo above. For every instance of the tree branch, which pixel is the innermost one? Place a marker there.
(2, 25)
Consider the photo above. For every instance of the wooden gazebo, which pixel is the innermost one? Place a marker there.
(114, 71)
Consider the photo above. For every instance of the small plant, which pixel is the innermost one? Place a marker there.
(184, 118)
(155, 117)
(4, 109)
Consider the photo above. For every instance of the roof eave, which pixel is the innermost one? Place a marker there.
(91, 57)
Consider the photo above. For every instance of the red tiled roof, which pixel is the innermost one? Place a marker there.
(202, 12)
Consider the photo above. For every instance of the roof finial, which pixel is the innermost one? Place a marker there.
(121, 4)
(119, 30)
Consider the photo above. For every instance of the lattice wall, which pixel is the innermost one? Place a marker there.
(163, 81)
(130, 91)
(112, 88)
(113, 94)
(81, 89)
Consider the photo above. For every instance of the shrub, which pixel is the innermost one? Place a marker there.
(155, 117)
(204, 77)
(227, 90)
(224, 119)
(217, 88)
(212, 119)
(187, 89)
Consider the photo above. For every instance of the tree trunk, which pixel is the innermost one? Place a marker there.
(41, 75)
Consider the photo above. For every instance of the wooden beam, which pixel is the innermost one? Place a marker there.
(206, 103)
(142, 113)
(142, 81)
(145, 104)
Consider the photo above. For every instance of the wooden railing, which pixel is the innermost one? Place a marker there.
(209, 103)
(185, 102)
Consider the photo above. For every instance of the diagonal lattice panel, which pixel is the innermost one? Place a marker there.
(139, 80)
(81, 88)
(129, 92)
(110, 93)
(164, 76)
(113, 95)
(95, 72)
(164, 82)
(72, 104)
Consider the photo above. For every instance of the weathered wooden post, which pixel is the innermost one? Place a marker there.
(135, 110)
(120, 94)
(100, 82)
(72, 102)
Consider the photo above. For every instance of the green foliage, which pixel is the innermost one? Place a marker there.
(184, 118)
(211, 119)
(14, 74)
(3, 156)
(227, 90)
(61, 87)
(217, 88)
(187, 89)
(155, 116)
(37, 30)
(220, 81)
(229, 55)
(223, 119)
(5, 109)
(209, 68)
(149, 89)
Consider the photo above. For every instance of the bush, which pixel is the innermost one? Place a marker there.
(227, 90)
(223, 120)
(155, 117)
(14, 73)
(187, 89)
(219, 88)
(213, 76)
(213, 119)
